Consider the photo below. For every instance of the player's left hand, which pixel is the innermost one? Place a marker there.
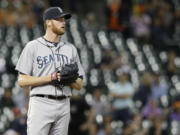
(68, 74)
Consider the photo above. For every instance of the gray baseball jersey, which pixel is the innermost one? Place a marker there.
(40, 58)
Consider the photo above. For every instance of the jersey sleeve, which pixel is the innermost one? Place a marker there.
(25, 62)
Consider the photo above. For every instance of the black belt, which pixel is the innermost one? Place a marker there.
(51, 96)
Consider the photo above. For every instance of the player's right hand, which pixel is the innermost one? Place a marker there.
(58, 76)
(55, 78)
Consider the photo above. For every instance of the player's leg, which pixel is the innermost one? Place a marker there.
(60, 127)
(39, 116)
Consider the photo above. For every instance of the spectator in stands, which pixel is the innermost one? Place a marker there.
(157, 127)
(6, 100)
(100, 106)
(107, 119)
(171, 68)
(120, 61)
(82, 116)
(158, 88)
(158, 30)
(9, 16)
(106, 130)
(122, 92)
(25, 16)
(118, 12)
(112, 62)
(106, 60)
(144, 90)
(136, 125)
(175, 24)
(151, 7)
(37, 8)
(127, 130)
(19, 123)
(92, 129)
(90, 23)
(175, 114)
(88, 127)
(113, 15)
(168, 13)
(140, 22)
(151, 110)
(21, 97)
(22, 12)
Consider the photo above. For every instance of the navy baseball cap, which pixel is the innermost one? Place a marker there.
(54, 13)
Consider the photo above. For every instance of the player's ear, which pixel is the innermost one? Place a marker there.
(48, 23)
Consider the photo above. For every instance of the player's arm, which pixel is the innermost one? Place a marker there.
(77, 84)
(26, 80)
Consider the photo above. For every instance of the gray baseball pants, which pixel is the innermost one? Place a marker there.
(48, 116)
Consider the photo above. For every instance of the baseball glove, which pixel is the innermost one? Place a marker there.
(67, 74)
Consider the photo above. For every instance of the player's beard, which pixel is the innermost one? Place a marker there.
(58, 31)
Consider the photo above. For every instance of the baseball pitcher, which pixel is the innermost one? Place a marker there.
(51, 68)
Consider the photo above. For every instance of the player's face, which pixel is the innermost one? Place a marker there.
(58, 26)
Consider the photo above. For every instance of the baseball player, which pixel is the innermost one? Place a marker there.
(51, 68)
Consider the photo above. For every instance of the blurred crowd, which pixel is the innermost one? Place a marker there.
(152, 21)
(147, 20)
(13, 12)
(24, 12)
(124, 109)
